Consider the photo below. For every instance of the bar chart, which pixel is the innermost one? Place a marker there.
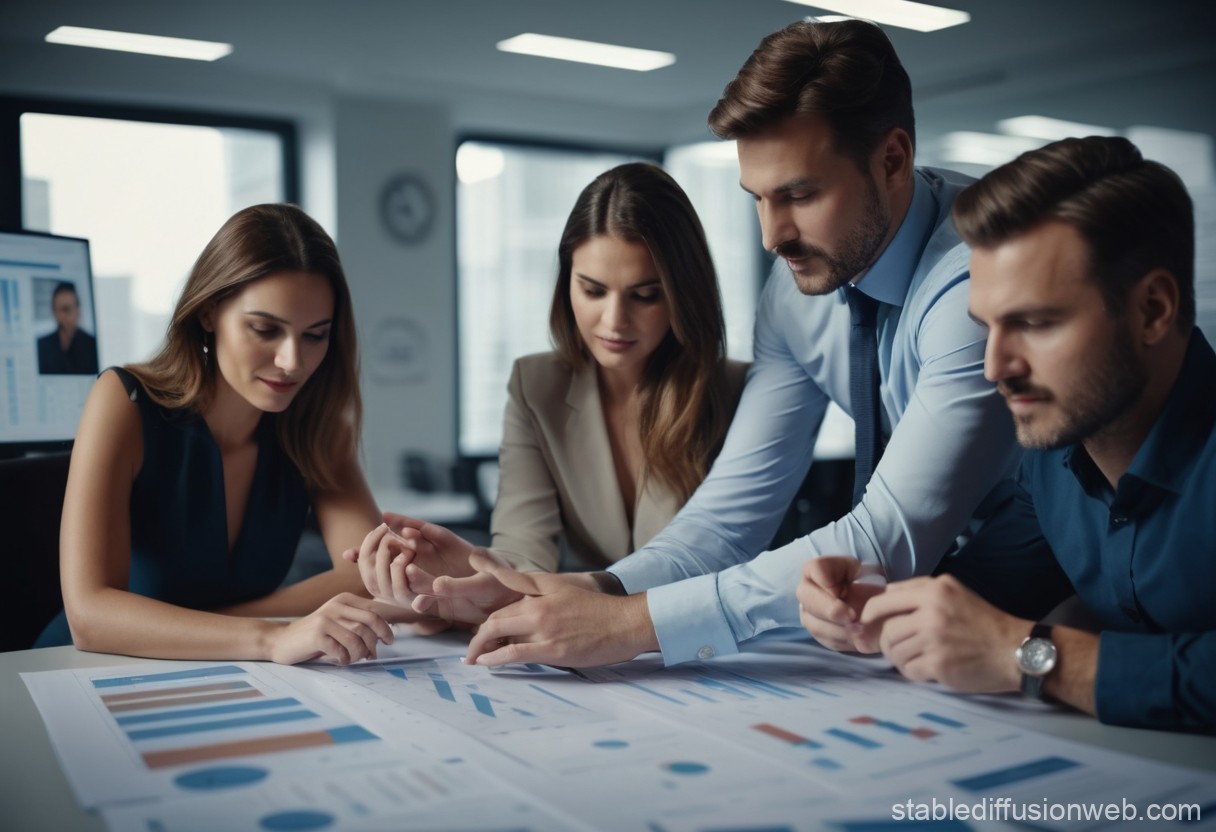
(473, 699)
(203, 729)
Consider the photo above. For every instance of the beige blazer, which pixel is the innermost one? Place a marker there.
(556, 475)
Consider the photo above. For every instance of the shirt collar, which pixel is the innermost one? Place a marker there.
(887, 281)
(1186, 422)
(1181, 431)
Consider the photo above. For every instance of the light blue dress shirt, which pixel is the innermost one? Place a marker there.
(948, 464)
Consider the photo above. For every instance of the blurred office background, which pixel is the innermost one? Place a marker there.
(445, 167)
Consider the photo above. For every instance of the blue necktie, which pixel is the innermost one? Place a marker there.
(863, 387)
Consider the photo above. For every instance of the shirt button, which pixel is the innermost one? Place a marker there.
(1131, 614)
(705, 652)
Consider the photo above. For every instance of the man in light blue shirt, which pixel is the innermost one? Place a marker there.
(823, 120)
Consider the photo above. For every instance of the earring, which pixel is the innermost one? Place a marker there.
(206, 357)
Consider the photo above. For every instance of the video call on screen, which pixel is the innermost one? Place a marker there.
(48, 336)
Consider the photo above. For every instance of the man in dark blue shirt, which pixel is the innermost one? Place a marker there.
(1082, 269)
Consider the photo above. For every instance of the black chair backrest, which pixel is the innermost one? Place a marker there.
(30, 509)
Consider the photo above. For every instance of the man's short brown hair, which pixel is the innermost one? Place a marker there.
(1134, 215)
(845, 71)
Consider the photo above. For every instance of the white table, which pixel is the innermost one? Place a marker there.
(35, 796)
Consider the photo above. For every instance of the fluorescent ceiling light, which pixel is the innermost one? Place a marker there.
(1043, 127)
(902, 13)
(587, 52)
(195, 50)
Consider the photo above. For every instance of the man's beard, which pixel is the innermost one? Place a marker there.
(1104, 396)
(858, 249)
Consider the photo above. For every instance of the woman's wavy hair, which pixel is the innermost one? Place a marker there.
(257, 242)
(685, 404)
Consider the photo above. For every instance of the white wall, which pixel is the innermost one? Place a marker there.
(404, 294)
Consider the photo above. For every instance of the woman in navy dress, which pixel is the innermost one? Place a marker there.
(192, 474)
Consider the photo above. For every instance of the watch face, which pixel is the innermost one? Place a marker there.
(1036, 656)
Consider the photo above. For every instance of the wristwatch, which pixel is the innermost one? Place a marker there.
(1035, 657)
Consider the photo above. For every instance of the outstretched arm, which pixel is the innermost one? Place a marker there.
(556, 622)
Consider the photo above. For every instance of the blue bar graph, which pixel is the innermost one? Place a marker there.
(200, 673)
(892, 726)
(396, 671)
(213, 710)
(351, 733)
(1015, 774)
(696, 695)
(941, 720)
(856, 739)
(768, 687)
(220, 725)
(652, 692)
(444, 689)
(482, 703)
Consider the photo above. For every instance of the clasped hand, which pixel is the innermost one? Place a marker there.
(425, 567)
(931, 629)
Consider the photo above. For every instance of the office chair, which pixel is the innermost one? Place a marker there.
(29, 522)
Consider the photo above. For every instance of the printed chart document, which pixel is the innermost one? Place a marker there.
(787, 737)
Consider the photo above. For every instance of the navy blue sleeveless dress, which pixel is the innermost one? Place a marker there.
(179, 521)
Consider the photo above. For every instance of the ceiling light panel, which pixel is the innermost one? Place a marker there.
(905, 14)
(587, 52)
(195, 50)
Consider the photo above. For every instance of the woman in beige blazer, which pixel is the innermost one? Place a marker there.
(558, 476)
(606, 437)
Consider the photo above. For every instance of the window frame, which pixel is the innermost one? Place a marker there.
(464, 461)
(12, 108)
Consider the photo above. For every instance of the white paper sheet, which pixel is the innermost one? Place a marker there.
(786, 737)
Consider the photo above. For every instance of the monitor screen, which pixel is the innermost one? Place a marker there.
(48, 337)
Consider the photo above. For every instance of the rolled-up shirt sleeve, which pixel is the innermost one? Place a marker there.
(1157, 680)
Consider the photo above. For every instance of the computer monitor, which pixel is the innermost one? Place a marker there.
(48, 339)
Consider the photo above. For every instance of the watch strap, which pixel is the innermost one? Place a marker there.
(1032, 686)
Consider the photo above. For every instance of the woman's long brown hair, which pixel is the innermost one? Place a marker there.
(685, 406)
(255, 243)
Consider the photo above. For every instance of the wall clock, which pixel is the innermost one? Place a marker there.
(407, 208)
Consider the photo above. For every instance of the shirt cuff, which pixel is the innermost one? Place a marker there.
(635, 576)
(1134, 681)
(689, 622)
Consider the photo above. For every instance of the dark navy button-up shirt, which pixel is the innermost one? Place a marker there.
(1141, 556)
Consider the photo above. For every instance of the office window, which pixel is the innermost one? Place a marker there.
(148, 196)
(512, 202)
(511, 205)
(709, 174)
